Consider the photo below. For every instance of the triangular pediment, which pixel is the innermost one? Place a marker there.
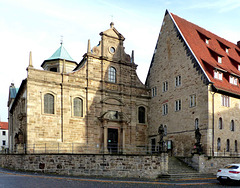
(112, 32)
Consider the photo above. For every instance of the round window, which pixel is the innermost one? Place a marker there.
(112, 50)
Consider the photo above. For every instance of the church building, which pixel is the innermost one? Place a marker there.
(96, 106)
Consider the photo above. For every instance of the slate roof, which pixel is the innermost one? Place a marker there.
(4, 125)
(206, 55)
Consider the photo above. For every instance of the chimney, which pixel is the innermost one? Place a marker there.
(238, 44)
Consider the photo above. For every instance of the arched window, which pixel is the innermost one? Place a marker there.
(112, 74)
(232, 125)
(48, 104)
(141, 114)
(220, 124)
(78, 107)
(196, 123)
(235, 146)
(228, 145)
(218, 144)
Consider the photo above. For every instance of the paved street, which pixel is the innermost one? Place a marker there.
(13, 179)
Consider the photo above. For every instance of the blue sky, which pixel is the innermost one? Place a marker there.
(38, 25)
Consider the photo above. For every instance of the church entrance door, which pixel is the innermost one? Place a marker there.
(112, 140)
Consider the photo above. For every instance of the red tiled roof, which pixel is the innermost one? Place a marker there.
(4, 125)
(206, 53)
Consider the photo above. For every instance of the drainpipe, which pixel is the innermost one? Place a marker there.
(213, 93)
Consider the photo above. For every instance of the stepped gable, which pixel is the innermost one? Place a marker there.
(204, 48)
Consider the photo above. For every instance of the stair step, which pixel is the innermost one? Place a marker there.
(184, 176)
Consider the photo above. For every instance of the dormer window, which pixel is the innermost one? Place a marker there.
(207, 41)
(219, 59)
(233, 80)
(223, 46)
(226, 50)
(204, 37)
(218, 75)
(239, 67)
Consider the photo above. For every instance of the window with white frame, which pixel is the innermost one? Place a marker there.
(4, 142)
(192, 100)
(219, 59)
(218, 74)
(225, 101)
(226, 50)
(196, 123)
(233, 80)
(154, 91)
(239, 67)
(4, 133)
(165, 86)
(177, 105)
(112, 74)
(177, 81)
(165, 109)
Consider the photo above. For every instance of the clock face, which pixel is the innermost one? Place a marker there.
(112, 50)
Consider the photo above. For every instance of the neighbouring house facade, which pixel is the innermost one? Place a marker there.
(3, 135)
(194, 79)
(100, 104)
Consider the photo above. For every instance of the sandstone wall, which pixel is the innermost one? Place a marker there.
(138, 166)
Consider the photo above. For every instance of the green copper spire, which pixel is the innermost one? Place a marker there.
(61, 53)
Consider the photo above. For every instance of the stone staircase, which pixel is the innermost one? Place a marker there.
(180, 170)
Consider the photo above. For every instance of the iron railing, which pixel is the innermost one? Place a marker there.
(78, 148)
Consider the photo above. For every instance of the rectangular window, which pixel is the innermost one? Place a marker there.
(233, 80)
(225, 101)
(219, 59)
(218, 75)
(178, 81)
(177, 105)
(226, 49)
(206, 41)
(4, 142)
(165, 86)
(4, 133)
(239, 67)
(165, 109)
(154, 91)
(192, 100)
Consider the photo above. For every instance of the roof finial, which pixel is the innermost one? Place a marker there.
(111, 25)
(132, 59)
(30, 60)
(89, 47)
(61, 40)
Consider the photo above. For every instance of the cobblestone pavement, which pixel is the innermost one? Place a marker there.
(13, 179)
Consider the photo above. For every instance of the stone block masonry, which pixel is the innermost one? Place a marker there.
(134, 166)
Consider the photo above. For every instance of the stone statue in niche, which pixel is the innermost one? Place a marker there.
(198, 146)
(162, 145)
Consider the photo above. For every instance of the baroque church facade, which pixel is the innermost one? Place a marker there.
(99, 105)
